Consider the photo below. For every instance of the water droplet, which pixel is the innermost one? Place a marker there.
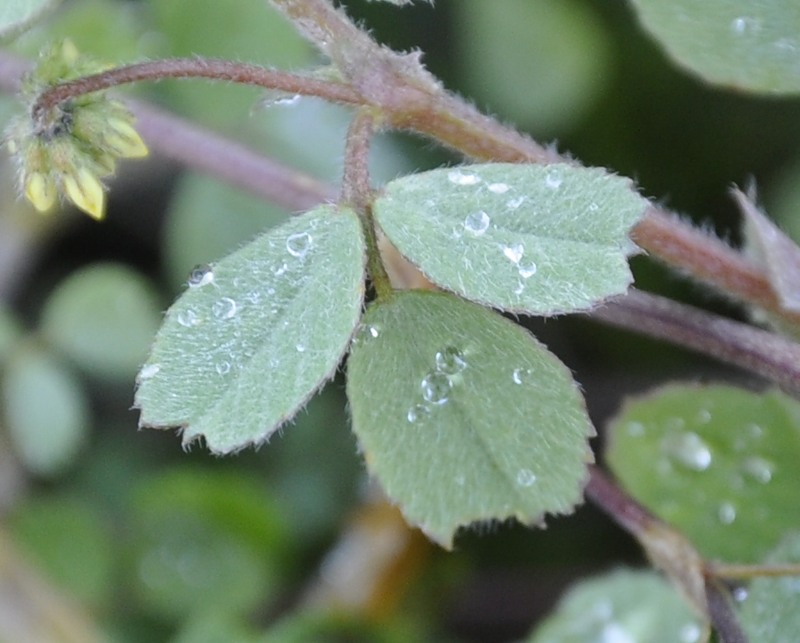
(615, 633)
(200, 276)
(450, 361)
(553, 179)
(526, 478)
(477, 223)
(499, 188)
(151, 370)
(223, 367)
(459, 178)
(300, 348)
(436, 388)
(224, 308)
(687, 449)
(280, 270)
(754, 431)
(513, 253)
(280, 99)
(742, 25)
(299, 243)
(188, 318)
(593, 207)
(690, 633)
(527, 270)
(758, 469)
(740, 594)
(513, 204)
(521, 375)
(418, 413)
(373, 331)
(726, 513)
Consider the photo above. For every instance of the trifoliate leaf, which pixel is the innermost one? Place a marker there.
(47, 413)
(771, 611)
(18, 15)
(463, 416)
(623, 606)
(737, 43)
(717, 462)
(524, 238)
(258, 333)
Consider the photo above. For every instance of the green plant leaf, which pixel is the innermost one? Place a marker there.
(18, 15)
(718, 462)
(463, 416)
(737, 43)
(771, 611)
(243, 349)
(525, 238)
(104, 318)
(46, 410)
(623, 605)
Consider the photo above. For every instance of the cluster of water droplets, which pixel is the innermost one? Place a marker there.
(683, 446)
(436, 386)
(526, 268)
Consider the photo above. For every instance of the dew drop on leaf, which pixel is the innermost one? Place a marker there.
(188, 318)
(553, 180)
(450, 361)
(298, 244)
(758, 469)
(514, 252)
(687, 449)
(499, 188)
(436, 388)
(521, 375)
(223, 367)
(460, 178)
(477, 223)
(527, 270)
(418, 413)
(201, 275)
(151, 370)
(224, 308)
(526, 478)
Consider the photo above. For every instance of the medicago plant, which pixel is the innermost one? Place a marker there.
(461, 414)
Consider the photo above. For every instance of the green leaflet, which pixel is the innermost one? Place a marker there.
(624, 605)
(737, 43)
(244, 348)
(525, 238)
(718, 462)
(463, 416)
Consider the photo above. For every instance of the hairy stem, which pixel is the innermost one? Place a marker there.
(767, 354)
(211, 69)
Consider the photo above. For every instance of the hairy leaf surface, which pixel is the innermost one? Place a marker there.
(525, 238)
(463, 416)
(258, 333)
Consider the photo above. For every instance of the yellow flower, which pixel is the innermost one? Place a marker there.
(85, 190)
(69, 147)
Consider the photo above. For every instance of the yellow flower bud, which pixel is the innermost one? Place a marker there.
(40, 191)
(124, 140)
(85, 191)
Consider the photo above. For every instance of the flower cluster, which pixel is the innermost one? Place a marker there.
(69, 148)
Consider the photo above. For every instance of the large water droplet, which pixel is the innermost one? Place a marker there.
(499, 188)
(726, 513)
(200, 276)
(477, 223)
(527, 269)
(513, 252)
(553, 180)
(460, 178)
(299, 243)
(521, 375)
(758, 469)
(436, 388)
(224, 308)
(418, 413)
(450, 361)
(151, 370)
(188, 318)
(687, 448)
(526, 478)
